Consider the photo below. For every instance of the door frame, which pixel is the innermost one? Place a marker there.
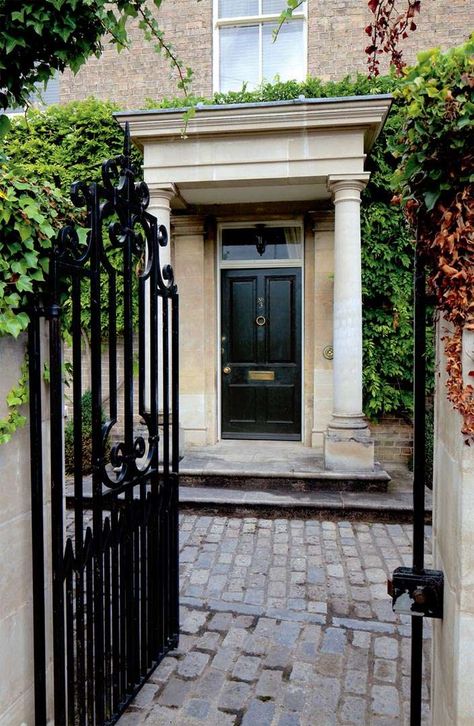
(221, 264)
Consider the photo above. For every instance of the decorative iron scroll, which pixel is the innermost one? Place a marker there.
(115, 575)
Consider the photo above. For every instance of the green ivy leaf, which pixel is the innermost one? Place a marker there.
(431, 197)
(5, 125)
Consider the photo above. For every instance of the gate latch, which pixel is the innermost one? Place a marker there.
(417, 593)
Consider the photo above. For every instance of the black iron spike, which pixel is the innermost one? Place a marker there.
(127, 141)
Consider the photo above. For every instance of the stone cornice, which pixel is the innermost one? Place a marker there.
(366, 112)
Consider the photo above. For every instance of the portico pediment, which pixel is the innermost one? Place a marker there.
(263, 152)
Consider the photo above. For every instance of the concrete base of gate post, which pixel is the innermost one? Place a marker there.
(453, 543)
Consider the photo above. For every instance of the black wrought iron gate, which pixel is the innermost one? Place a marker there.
(115, 573)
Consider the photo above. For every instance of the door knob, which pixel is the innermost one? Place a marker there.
(227, 370)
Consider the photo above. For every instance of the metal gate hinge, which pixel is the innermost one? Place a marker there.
(417, 593)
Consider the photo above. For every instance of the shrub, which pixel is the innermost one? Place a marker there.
(64, 144)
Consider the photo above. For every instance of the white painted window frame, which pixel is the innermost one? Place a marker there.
(218, 23)
(252, 265)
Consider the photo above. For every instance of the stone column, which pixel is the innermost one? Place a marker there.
(160, 206)
(347, 446)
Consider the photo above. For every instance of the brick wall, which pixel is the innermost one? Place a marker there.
(393, 440)
(132, 76)
(336, 42)
(336, 37)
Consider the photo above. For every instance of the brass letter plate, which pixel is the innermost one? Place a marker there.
(261, 375)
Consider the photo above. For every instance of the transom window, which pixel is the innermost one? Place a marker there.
(246, 51)
(262, 242)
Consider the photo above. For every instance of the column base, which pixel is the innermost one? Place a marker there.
(349, 450)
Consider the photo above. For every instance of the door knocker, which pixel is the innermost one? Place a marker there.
(260, 320)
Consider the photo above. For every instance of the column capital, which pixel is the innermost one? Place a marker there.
(162, 191)
(349, 183)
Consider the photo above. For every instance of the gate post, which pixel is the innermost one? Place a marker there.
(24, 575)
(453, 543)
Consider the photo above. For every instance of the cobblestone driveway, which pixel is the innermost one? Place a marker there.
(285, 622)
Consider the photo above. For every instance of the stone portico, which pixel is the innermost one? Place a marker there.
(298, 163)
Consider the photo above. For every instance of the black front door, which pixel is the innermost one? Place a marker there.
(261, 354)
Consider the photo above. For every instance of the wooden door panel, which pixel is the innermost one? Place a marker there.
(261, 364)
(242, 332)
(281, 316)
(281, 404)
(242, 404)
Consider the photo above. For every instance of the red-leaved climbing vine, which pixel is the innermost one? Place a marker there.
(392, 22)
(436, 152)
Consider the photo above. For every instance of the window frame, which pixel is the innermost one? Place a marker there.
(261, 19)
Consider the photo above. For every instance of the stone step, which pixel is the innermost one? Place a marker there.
(396, 506)
(293, 481)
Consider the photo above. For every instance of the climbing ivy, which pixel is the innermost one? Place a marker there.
(66, 144)
(15, 398)
(29, 219)
(435, 181)
(39, 38)
(30, 215)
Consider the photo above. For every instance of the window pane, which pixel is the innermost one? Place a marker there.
(51, 94)
(238, 57)
(274, 6)
(281, 243)
(43, 97)
(284, 57)
(277, 6)
(237, 8)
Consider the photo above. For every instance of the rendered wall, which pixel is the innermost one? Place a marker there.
(453, 545)
(16, 595)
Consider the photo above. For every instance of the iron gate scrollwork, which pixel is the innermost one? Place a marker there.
(115, 574)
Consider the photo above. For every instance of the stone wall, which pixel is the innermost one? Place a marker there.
(453, 547)
(16, 598)
(336, 42)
